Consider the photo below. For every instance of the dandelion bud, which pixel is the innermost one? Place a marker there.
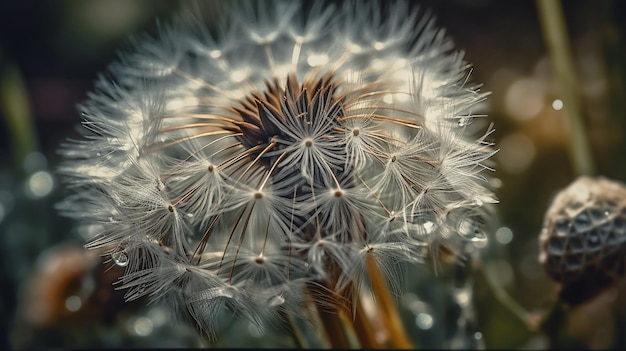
(291, 146)
(582, 241)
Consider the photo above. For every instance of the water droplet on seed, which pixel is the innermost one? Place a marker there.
(120, 258)
(463, 121)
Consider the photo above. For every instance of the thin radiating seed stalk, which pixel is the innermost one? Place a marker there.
(232, 234)
(267, 231)
(241, 237)
(256, 160)
(267, 177)
(191, 137)
(205, 238)
(295, 53)
(373, 194)
(232, 160)
(270, 58)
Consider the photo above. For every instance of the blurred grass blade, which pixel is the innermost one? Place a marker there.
(557, 41)
(15, 107)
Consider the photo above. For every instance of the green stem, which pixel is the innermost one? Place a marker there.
(505, 299)
(398, 338)
(555, 35)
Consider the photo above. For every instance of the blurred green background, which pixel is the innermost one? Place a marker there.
(52, 51)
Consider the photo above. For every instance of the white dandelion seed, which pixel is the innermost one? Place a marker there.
(235, 167)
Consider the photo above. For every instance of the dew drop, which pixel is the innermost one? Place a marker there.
(429, 227)
(120, 258)
(463, 121)
(470, 231)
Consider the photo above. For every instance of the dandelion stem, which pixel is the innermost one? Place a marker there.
(555, 35)
(364, 328)
(398, 338)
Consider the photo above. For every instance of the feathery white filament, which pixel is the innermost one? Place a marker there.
(232, 169)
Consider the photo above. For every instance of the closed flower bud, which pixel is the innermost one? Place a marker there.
(582, 241)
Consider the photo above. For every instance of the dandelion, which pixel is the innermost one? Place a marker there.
(291, 147)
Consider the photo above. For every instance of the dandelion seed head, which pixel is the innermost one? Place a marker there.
(233, 168)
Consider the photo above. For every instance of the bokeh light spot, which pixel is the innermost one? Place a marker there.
(39, 184)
